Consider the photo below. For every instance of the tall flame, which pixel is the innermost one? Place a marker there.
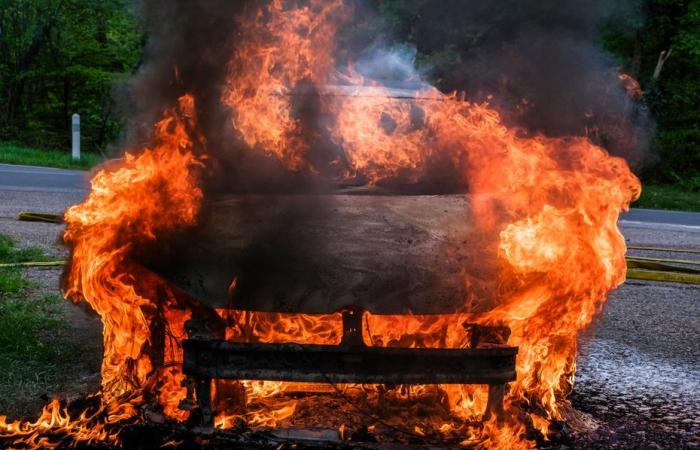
(151, 192)
(289, 45)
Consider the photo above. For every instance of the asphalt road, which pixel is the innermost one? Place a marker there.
(27, 178)
(682, 218)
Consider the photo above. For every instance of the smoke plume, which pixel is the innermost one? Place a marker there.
(539, 63)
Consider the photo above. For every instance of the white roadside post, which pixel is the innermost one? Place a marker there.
(76, 137)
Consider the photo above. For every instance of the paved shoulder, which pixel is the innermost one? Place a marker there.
(31, 178)
(655, 218)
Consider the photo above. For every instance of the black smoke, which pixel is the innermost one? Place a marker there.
(540, 62)
(187, 44)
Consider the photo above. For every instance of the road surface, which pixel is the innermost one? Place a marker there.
(28, 178)
(656, 216)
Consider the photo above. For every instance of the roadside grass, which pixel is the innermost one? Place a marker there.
(9, 253)
(13, 154)
(668, 197)
(11, 280)
(33, 346)
(32, 353)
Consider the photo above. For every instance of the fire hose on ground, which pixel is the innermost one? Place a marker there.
(651, 269)
(27, 216)
(663, 269)
(638, 267)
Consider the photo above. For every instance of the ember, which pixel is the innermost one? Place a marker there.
(527, 256)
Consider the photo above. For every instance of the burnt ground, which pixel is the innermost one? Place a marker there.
(638, 377)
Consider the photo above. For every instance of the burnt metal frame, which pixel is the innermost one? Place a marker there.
(207, 358)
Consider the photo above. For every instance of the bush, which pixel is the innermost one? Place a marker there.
(679, 158)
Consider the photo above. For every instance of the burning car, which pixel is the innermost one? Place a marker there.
(338, 231)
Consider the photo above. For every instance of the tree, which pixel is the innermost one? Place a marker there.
(59, 57)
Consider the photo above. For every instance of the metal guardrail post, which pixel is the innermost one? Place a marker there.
(75, 149)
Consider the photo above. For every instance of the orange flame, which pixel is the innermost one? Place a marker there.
(289, 45)
(150, 194)
(131, 203)
(550, 206)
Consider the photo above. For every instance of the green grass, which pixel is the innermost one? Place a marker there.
(33, 349)
(30, 354)
(13, 154)
(668, 197)
(9, 253)
(11, 280)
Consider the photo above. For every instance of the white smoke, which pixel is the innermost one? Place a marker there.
(392, 66)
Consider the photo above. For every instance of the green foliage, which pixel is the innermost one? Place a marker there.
(13, 154)
(673, 98)
(59, 57)
(679, 149)
(670, 197)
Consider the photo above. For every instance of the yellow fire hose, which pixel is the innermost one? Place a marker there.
(655, 275)
(54, 263)
(651, 270)
(655, 269)
(650, 264)
(27, 216)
